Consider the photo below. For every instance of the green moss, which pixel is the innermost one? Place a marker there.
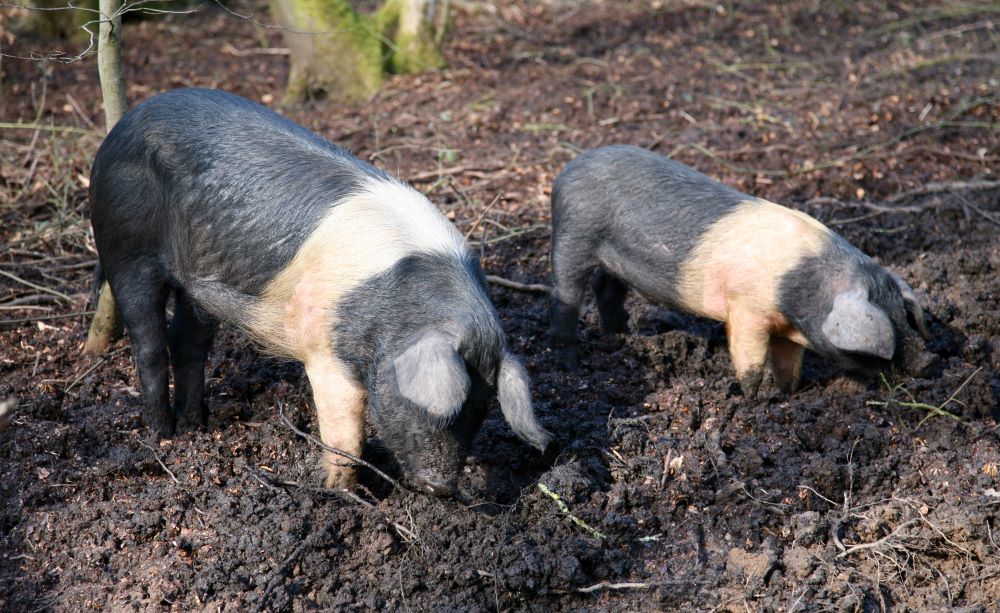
(59, 24)
(409, 52)
(335, 50)
(344, 53)
(414, 53)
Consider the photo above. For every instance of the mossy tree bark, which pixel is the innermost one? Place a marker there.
(55, 19)
(106, 326)
(345, 54)
(410, 27)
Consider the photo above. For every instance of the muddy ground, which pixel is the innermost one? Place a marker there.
(879, 118)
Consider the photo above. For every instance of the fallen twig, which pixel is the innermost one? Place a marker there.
(514, 233)
(984, 214)
(565, 511)
(479, 219)
(341, 453)
(404, 532)
(922, 517)
(961, 155)
(231, 50)
(278, 573)
(930, 188)
(537, 288)
(159, 461)
(878, 208)
(460, 169)
(28, 320)
(943, 186)
(38, 126)
(25, 307)
(878, 543)
(835, 532)
(7, 412)
(931, 409)
(28, 300)
(96, 365)
(604, 585)
(665, 472)
(40, 288)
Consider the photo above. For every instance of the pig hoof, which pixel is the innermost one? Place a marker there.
(566, 358)
(161, 428)
(615, 325)
(196, 419)
(340, 477)
(750, 383)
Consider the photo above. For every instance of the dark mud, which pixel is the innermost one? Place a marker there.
(685, 493)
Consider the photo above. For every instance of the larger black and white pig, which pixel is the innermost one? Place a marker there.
(248, 218)
(782, 281)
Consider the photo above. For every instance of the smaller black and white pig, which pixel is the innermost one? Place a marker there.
(248, 218)
(625, 217)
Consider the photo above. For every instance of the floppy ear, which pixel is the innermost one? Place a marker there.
(431, 374)
(915, 313)
(855, 324)
(514, 395)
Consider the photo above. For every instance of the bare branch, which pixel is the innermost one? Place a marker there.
(344, 454)
(523, 287)
(943, 186)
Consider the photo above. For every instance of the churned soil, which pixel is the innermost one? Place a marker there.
(670, 488)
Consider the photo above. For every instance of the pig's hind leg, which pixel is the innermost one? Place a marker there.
(141, 291)
(191, 333)
(571, 269)
(610, 293)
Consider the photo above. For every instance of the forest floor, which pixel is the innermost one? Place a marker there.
(878, 118)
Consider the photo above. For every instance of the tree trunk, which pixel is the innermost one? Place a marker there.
(345, 54)
(63, 22)
(409, 25)
(106, 327)
(334, 49)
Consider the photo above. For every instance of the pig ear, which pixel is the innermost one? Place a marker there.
(431, 374)
(915, 313)
(514, 395)
(855, 324)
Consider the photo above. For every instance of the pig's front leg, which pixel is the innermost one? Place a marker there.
(786, 363)
(340, 410)
(748, 336)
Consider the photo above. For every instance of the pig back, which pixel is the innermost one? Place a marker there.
(216, 187)
(642, 214)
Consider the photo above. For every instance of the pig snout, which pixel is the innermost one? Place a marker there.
(915, 360)
(432, 467)
(430, 482)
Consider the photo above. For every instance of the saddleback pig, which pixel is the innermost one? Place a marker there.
(626, 217)
(248, 218)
